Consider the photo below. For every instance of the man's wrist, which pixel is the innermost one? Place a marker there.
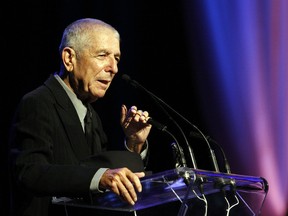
(134, 148)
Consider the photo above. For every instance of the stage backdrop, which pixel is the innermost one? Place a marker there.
(245, 76)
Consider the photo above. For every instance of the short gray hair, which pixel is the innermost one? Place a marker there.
(77, 34)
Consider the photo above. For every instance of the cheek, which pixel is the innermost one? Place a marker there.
(91, 77)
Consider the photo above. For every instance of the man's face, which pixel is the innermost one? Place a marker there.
(95, 67)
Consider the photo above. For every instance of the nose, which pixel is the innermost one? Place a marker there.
(113, 65)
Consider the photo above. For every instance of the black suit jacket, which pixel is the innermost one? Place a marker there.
(50, 155)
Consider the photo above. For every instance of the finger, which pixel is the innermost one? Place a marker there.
(146, 114)
(133, 181)
(136, 181)
(132, 110)
(140, 174)
(142, 115)
(138, 115)
(127, 181)
(127, 115)
(116, 181)
(127, 191)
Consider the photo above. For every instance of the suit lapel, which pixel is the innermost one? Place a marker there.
(69, 118)
(75, 133)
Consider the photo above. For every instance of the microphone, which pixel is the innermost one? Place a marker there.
(132, 82)
(157, 100)
(157, 124)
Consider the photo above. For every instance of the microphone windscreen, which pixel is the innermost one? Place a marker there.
(126, 77)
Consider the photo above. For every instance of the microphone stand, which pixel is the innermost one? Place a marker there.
(210, 140)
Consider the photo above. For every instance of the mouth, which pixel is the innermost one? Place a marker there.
(104, 83)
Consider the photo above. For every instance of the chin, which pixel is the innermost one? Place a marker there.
(99, 95)
(97, 92)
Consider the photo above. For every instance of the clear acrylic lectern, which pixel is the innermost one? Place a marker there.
(181, 192)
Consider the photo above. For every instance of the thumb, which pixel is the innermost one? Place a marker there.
(123, 114)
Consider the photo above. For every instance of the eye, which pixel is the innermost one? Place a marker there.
(102, 54)
(117, 58)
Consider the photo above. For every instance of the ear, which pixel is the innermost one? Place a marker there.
(68, 56)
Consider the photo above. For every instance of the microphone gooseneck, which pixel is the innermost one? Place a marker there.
(210, 140)
(180, 160)
(158, 101)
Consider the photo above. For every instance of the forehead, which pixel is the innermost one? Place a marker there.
(105, 38)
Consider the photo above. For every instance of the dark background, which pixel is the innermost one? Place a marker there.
(157, 50)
